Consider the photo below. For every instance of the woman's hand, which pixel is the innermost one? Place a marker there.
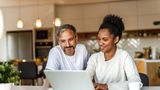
(98, 86)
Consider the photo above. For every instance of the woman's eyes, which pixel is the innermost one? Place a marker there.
(104, 39)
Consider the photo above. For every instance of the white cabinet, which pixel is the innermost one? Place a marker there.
(19, 45)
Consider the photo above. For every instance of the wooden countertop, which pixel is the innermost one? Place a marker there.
(147, 60)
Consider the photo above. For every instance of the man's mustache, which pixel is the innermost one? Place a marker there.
(69, 47)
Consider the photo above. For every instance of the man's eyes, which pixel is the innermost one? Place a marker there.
(62, 41)
(71, 39)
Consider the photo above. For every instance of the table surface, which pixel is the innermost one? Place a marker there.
(44, 88)
(151, 88)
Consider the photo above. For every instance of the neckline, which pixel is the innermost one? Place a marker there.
(112, 59)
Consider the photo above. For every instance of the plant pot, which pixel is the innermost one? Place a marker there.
(5, 86)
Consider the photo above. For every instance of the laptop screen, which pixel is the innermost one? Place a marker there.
(69, 80)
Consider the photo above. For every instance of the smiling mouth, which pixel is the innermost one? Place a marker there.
(69, 50)
(102, 47)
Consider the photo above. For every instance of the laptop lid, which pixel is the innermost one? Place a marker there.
(69, 79)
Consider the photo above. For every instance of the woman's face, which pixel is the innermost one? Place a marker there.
(106, 40)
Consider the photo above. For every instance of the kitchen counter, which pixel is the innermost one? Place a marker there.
(147, 60)
(151, 68)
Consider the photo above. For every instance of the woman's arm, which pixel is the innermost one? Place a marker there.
(91, 66)
(98, 86)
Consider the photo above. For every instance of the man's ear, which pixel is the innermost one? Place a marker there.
(116, 39)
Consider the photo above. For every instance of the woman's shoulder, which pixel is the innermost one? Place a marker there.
(122, 51)
(124, 55)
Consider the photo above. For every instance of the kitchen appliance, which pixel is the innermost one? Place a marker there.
(44, 35)
(42, 49)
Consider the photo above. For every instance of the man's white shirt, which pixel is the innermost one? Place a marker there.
(57, 60)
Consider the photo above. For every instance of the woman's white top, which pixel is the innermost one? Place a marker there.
(117, 72)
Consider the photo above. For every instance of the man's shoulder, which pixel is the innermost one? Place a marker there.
(55, 48)
(81, 46)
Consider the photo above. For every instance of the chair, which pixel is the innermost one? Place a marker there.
(28, 71)
(41, 73)
(144, 79)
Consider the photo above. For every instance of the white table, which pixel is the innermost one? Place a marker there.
(28, 88)
(44, 88)
(151, 88)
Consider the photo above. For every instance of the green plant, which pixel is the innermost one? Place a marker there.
(8, 73)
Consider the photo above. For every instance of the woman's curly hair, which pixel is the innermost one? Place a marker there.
(114, 24)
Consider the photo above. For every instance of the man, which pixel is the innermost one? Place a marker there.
(68, 55)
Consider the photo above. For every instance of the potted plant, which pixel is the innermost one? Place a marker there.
(8, 73)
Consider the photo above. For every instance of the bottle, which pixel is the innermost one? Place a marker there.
(150, 53)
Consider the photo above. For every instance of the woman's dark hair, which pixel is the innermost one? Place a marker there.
(114, 24)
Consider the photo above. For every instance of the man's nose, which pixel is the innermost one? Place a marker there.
(67, 43)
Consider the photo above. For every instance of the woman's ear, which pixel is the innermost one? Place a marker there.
(116, 40)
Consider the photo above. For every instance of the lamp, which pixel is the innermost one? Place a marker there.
(38, 23)
(19, 22)
(57, 22)
(38, 20)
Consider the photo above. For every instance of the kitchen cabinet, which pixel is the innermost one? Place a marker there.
(149, 67)
(19, 45)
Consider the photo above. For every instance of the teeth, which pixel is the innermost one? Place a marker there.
(102, 47)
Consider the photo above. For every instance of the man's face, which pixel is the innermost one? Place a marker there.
(68, 42)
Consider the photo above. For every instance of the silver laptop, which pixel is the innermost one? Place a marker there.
(69, 80)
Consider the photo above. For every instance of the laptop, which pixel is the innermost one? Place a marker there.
(69, 79)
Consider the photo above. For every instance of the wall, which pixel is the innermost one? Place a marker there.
(28, 14)
(133, 45)
(3, 49)
(138, 14)
(86, 17)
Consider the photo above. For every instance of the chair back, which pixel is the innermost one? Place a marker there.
(41, 74)
(144, 79)
(28, 70)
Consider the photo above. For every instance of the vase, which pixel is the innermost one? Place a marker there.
(5, 86)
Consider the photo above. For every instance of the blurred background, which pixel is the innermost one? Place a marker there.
(27, 29)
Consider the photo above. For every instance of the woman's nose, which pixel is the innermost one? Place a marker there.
(100, 42)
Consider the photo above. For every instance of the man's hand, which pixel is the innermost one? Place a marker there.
(98, 86)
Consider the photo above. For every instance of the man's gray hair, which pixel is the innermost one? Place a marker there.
(65, 27)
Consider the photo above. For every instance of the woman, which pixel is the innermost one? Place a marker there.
(112, 68)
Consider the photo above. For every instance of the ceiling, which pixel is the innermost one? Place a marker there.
(9, 3)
